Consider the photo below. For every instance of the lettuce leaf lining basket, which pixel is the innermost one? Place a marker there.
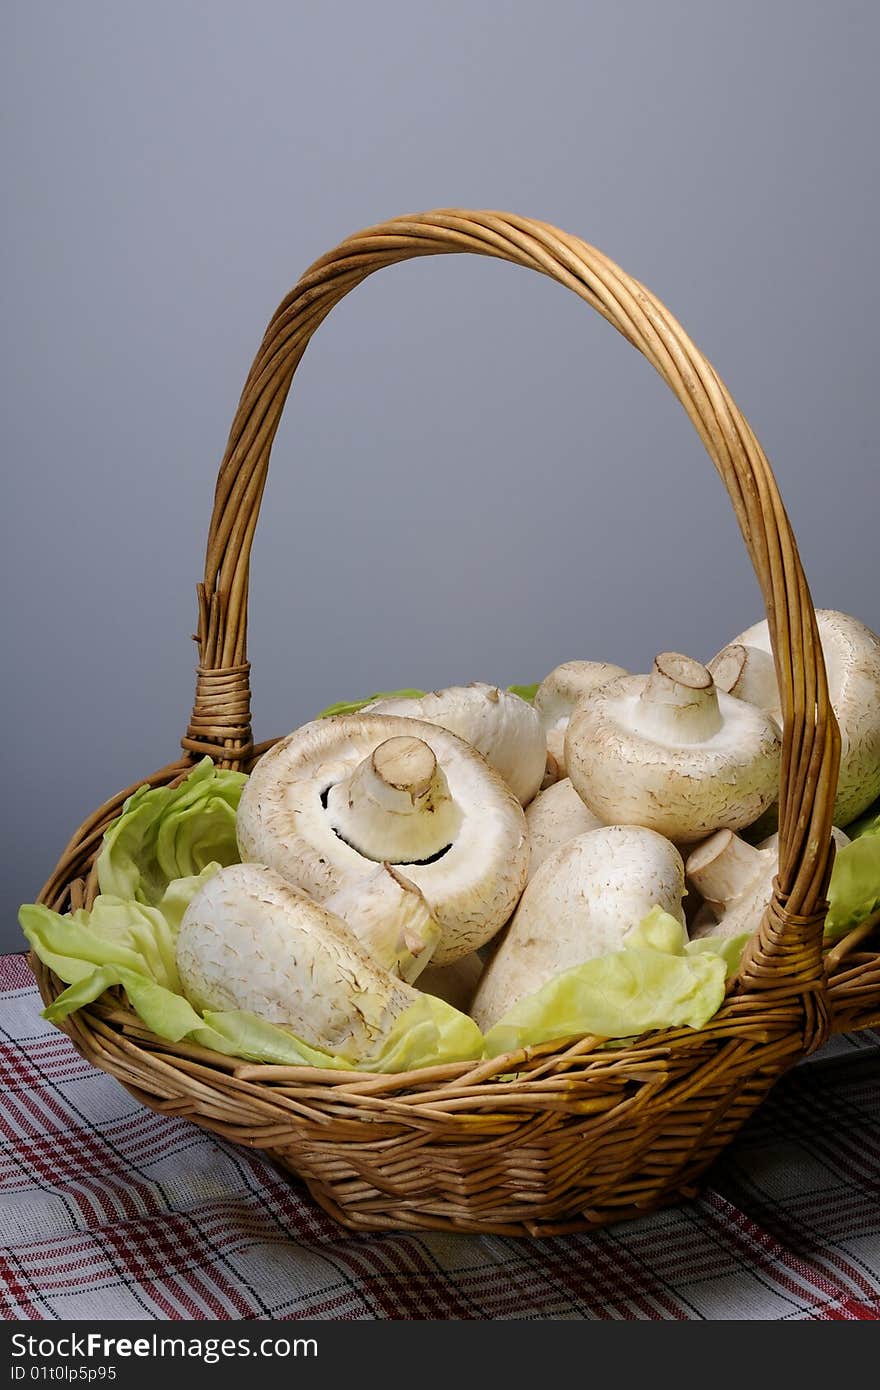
(564, 1135)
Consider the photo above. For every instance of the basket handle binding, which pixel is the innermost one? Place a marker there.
(785, 952)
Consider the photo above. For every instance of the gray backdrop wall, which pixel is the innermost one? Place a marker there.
(476, 478)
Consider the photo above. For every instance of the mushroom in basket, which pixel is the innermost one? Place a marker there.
(670, 752)
(338, 797)
(852, 661)
(498, 723)
(735, 881)
(581, 903)
(558, 694)
(556, 815)
(251, 941)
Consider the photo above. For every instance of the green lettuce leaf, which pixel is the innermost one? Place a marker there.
(655, 981)
(854, 891)
(729, 949)
(168, 833)
(429, 1032)
(116, 932)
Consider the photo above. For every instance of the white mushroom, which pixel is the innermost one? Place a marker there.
(561, 690)
(580, 904)
(852, 661)
(249, 940)
(669, 752)
(735, 880)
(500, 725)
(555, 816)
(389, 916)
(749, 674)
(340, 795)
(455, 983)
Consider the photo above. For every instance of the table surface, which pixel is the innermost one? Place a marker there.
(108, 1210)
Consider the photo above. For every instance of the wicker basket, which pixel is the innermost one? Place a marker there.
(563, 1136)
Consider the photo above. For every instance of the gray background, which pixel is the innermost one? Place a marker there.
(475, 478)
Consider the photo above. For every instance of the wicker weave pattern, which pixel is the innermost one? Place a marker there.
(580, 1134)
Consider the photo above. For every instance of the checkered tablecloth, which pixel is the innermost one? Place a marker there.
(108, 1210)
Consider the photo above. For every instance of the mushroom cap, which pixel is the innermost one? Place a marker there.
(852, 661)
(633, 756)
(561, 690)
(500, 725)
(250, 940)
(286, 820)
(580, 904)
(556, 815)
(567, 684)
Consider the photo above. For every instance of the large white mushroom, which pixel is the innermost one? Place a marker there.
(852, 660)
(251, 941)
(670, 752)
(558, 694)
(556, 815)
(580, 904)
(735, 881)
(500, 725)
(339, 796)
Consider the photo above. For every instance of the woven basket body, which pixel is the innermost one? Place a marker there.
(563, 1136)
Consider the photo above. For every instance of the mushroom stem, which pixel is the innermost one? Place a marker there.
(748, 673)
(399, 776)
(723, 866)
(396, 805)
(502, 727)
(391, 918)
(679, 702)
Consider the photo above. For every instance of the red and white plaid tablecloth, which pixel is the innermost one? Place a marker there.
(110, 1211)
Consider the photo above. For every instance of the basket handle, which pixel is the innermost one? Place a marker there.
(786, 950)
